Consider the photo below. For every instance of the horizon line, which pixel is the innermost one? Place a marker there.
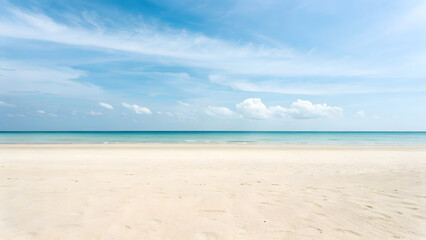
(212, 131)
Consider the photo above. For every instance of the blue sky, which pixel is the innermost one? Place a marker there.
(213, 65)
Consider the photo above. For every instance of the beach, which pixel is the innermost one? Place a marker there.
(212, 191)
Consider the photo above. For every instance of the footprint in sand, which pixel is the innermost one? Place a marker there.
(243, 230)
(348, 231)
(317, 228)
(155, 220)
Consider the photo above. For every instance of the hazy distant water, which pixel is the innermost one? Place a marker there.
(318, 138)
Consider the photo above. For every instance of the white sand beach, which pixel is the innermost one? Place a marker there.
(119, 191)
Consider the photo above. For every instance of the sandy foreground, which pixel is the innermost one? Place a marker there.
(212, 192)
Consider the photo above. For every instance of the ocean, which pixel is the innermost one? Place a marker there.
(216, 137)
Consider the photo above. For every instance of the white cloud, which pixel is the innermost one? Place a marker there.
(52, 114)
(93, 113)
(305, 109)
(183, 103)
(41, 112)
(106, 105)
(221, 112)
(253, 108)
(137, 109)
(3, 104)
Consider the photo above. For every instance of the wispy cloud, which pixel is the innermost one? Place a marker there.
(44, 113)
(183, 103)
(15, 115)
(4, 104)
(241, 66)
(412, 20)
(359, 114)
(93, 113)
(362, 115)
(169, 114)
(179, 46)
(19, 77)
(137, 109)
(106, 105)
(314, 86)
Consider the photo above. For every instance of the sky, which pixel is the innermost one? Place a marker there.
(254, 65)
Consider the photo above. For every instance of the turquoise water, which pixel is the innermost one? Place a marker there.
(316, 138)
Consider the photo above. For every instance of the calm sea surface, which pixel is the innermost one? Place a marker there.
(199, 137)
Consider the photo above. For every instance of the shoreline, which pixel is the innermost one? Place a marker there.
(208, 146)
(220, 138)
